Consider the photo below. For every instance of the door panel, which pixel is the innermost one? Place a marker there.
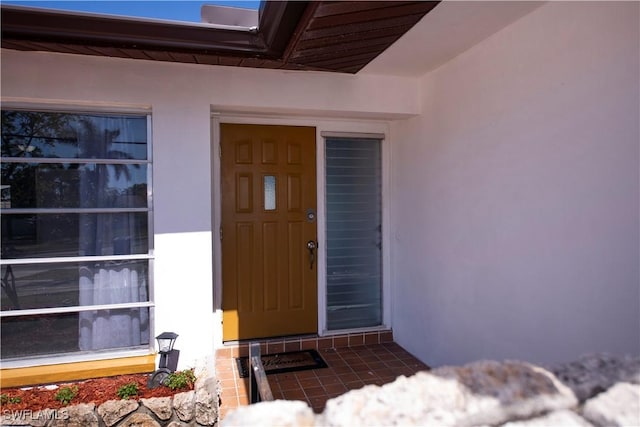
(268, 186)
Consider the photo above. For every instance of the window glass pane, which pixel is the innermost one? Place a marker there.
(74, 284)
(269, 193)
(66, 135)
(33, 185)
(53, 235)
(70, 191)
(354, 233)
(72, 332)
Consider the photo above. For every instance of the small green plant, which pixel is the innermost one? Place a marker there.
(66, 394)
(5, 398)
(128, 390)
(181, 379)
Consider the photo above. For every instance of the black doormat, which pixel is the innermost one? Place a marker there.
(289, 361)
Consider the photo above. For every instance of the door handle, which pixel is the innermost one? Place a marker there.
(312, 246)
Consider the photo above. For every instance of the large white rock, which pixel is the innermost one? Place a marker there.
(206, 407)
(82, 415)
(422, 399)
(139, 420)
(281, 413)
(160, 406)
(19, 418)
(564, 418)
(618, 406)
(184, 405)
(499, 392)
(41, 418)
(480, 393)
(594, 373)
(113, 411)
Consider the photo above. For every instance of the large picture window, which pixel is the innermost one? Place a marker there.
(76, 233)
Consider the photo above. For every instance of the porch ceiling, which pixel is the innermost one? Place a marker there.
(341, 36)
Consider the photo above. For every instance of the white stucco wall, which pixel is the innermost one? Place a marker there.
(515, 195)
(181, 98)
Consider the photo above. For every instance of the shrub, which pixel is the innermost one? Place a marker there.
(5, 398)
(66, 394)
(128, 390)
(181, 379)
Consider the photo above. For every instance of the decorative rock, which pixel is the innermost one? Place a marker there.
(14, 419)
(183, 403)
(41, 418)
(593, 373)
(515, 390)
(619, 406)
(282, 413)
(82, 415)
(563, 418)
(113, 411)
(475, 394)
(175, 424)
(203, 375)
(139, 420)
(422, 399)
(206, 408)
(160, 406)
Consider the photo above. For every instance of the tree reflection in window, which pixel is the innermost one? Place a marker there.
(75, 185)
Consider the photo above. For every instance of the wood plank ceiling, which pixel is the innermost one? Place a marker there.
(346, 36)
(335, 36)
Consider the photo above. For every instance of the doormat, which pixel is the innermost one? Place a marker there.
(289, 361)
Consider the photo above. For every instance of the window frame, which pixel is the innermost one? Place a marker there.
(80, 355)
(369, 138)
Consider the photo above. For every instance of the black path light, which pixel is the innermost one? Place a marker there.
(168, 362)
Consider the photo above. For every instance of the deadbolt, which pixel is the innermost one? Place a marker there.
(311, 215)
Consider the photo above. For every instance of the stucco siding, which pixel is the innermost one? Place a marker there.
(515, 195)
(181, 98)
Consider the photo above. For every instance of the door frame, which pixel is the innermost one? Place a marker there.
(355, 127)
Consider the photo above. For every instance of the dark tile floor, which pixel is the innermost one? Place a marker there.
(348, 368)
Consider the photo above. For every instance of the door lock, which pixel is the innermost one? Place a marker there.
(312, 246)
(311, 215)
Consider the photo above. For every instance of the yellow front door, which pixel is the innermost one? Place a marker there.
(268, 225)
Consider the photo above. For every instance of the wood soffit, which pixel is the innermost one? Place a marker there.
(335, 36)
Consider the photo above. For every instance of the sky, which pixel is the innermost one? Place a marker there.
(185, 10)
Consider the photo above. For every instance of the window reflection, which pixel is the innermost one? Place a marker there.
(63, 135)
(65, 185)
(74, 185)
(28, 336)
(57, 235)
(58, 285)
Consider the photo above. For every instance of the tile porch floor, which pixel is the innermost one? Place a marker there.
(353, 360)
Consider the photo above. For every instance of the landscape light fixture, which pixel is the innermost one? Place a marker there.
(168, 362)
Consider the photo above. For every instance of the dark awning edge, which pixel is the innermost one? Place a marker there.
(342, 36)
(278, 20)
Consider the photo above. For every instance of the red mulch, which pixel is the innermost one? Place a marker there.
(97, 390)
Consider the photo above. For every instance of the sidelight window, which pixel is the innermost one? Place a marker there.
(354, 232)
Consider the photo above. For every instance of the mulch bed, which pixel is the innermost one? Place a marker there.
(96, 390)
